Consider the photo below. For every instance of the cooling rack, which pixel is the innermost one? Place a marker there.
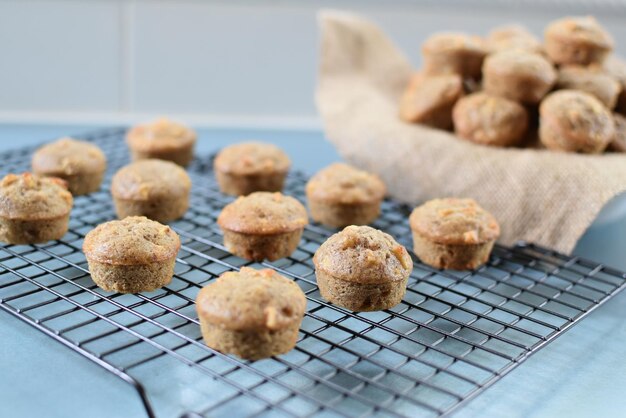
(454, 334)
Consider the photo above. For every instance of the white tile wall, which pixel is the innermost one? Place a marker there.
(71, 59)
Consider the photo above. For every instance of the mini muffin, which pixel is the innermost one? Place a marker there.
(249, 167)
(132, 255)
(577, 40)
(342, 195)
(453, 233)
(521, 76)
(253, 314)
(263, 225)
(156, 189)
(162, 139)
(80, 164)
(616, 67)
(429, 99)
(362, 269)
(33, 209)
(513, 37)
(490, 120)
(618, 143)
(454, 53)
(571, 120)
(590, 80)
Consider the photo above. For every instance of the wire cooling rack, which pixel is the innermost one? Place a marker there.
(453, 335)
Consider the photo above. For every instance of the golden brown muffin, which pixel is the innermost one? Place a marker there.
(577, 40)
(509, 37)
(162, 139)
(490, 120)
(253, 314)
(521, 76)
(453, 233)
(571, 120)
(80, 164)
(249, 167)
(341, 195)
(33, 209)
(263, 225)
(429, 99)
(590, 80)
(156, 189)
(132, 255)
(362, 269)
(454, 53)
(618, 143)
(616, 67)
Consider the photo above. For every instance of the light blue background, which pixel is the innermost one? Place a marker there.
(582, 374)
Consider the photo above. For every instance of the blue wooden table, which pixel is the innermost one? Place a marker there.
(582, 374)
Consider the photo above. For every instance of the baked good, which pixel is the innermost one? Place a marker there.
(615, 66)
(79, 163)
(521, 76)
(253, 314)
(249, 167)
(156, 189)
(619, 139)
(131, 255)
(453, 233)
(490, 120)
(572, 120)
(590, 80)
(454, 53)
(33, 209)
(577, 40)
(162, 139)
(513, 37)
(263, 225)
(362, 269)
(341, 195)
(429, 99)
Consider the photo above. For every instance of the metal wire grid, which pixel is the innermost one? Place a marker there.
(453, 335)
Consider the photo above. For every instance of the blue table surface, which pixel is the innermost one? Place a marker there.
(581, 374)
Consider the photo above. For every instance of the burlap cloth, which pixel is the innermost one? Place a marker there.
(538, 196)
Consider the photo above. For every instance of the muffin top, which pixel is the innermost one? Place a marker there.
(263, 213)
(583, 30)
(488, 119)
(615, 66)
(581, 122)
(161, 135)
(67, 156)
(344, 184)
(131, 241)
(31, 197)
(513, 37)
(453, 41)
(454, 221)
(590, 80)
(521, 64)
(150, 179)
(429, 93)
(251, 300)
(362, 254)
(252, 158)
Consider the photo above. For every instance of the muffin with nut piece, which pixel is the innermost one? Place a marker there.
(577, 40)
(249, 167)
(454, 53)
(575, 121)
(591, 80)
(162, 139)
(510, 37)
(341, 195)
(131, 255)
(362, 269)
(156, 189)
(79, 163)
(263, 225)
(517, 75)
(490, 120)
(429, 99)
(253, 314)
(453, 233)
(615, 66)
(33, 209)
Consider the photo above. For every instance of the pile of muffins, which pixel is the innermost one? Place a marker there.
(511, 90)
